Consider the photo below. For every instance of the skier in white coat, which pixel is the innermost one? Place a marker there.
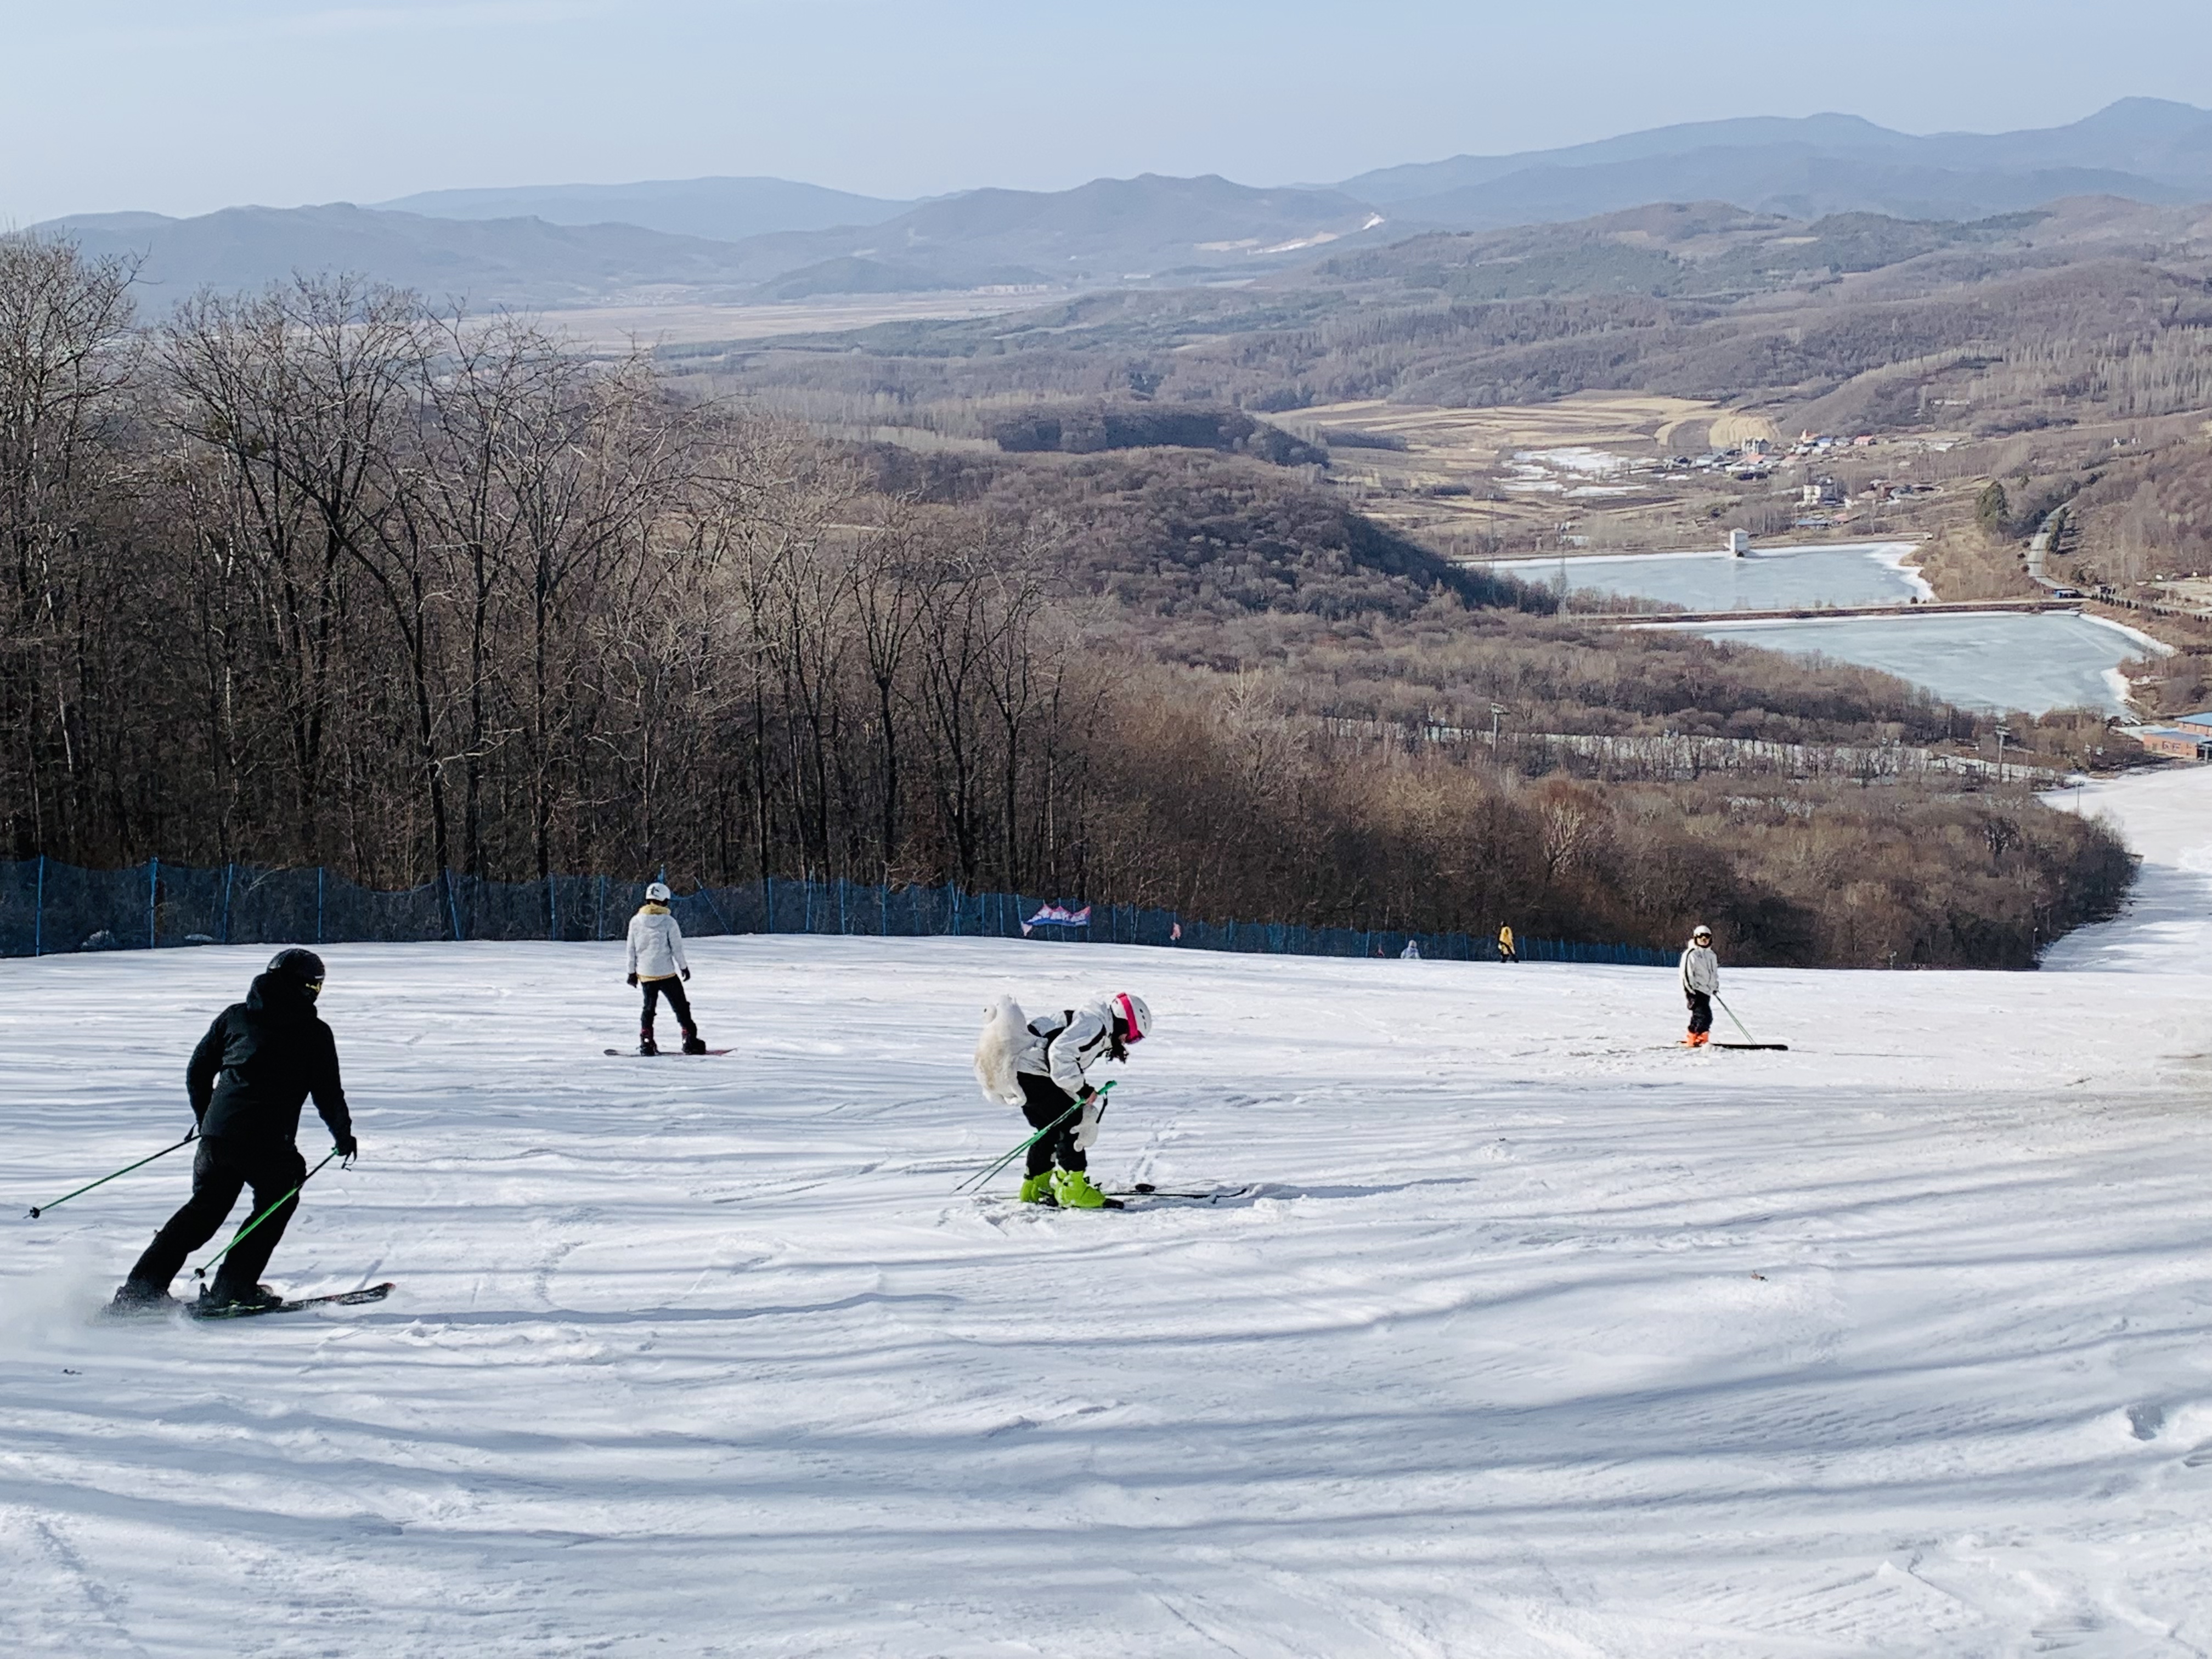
(1701, 983)
(1040, 1066)
(656, 962)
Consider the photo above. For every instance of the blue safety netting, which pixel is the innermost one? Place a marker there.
(48, 908)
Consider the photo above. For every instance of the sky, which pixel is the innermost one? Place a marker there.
(185, 108)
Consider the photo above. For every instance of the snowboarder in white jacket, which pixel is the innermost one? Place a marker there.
(1044, 1066)
(656, 963)
(1701, 983)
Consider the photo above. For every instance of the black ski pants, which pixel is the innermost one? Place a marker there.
(1044, 1100)
(679, 1003)
(1701, 1011)
(222, 1169)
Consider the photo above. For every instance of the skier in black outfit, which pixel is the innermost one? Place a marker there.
(247, 1080)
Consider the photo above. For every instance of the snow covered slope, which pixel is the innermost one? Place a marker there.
(1536, 1338)
(2166, 817)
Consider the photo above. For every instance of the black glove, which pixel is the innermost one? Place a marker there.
(633, 979)
(346, 1147)
(687, 975)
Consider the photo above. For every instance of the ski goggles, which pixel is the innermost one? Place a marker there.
(1129, 1019)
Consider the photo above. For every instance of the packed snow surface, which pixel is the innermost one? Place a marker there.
(1534, 1336)
(2166, 817)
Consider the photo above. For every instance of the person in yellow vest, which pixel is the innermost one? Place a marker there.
(656, 962)
(1505, 942)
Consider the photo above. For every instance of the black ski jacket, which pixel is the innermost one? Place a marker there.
(259, 1063)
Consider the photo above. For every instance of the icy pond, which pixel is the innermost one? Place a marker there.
(2032, 661)
(1777, 579)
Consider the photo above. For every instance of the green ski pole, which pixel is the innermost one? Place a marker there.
(239, 1236)
(984, 1175)
(37, 1210)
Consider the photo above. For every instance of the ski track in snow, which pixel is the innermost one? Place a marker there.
(1535, 1338)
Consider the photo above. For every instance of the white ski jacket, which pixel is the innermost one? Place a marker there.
(1701, 971)
(1063, 1049)
(656, 944)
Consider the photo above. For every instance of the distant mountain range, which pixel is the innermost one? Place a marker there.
(727, 238)
(2145, 149)
(724, 210)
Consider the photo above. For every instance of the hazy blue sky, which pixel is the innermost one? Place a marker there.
(184, 106)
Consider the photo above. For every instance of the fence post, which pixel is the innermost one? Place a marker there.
(552, 911)
(229, 872)
(39, 913)
(599, 914)
(319, 904)
(452, 907)
(153, 900)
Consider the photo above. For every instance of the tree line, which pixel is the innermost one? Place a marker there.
(322, 575)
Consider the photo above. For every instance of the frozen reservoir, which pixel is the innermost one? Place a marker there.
(1775, 579)
(2031, 662)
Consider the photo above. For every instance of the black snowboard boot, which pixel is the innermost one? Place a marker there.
(694, 1043)
(646, 1044)
(137, 1296)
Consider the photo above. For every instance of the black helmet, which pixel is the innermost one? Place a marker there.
(305, 968)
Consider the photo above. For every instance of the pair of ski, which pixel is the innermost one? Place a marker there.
(334, 1299)
(665, 1054)
(1118, 1197)
(251, 1311)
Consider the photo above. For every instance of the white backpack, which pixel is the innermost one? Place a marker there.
(999, 1047)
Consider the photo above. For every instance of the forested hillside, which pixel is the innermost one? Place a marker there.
(323, 575)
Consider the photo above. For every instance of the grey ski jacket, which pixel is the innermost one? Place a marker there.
(1701, 971)
(1066, 1045)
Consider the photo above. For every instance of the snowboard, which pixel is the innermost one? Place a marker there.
(1782, 1045)
(336, 1298)
(666, 1054)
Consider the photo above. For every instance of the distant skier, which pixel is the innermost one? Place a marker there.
(1701, 983)
(247, 1080)
(1041, 1065)
(656, 962)
(1505, 942)
(1411, 952)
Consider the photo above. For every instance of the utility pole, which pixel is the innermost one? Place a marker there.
(1496, 709)
(2003, 732)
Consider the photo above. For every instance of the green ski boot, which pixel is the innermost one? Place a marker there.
(1075, 1191)
(1038, 1189)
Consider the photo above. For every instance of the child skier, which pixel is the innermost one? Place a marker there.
(656, 962)
(247, 1080)
(1505, 943)
(1701, 983)
(1039, 1066)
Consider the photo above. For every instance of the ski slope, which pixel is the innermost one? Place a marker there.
(1536, 1339)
